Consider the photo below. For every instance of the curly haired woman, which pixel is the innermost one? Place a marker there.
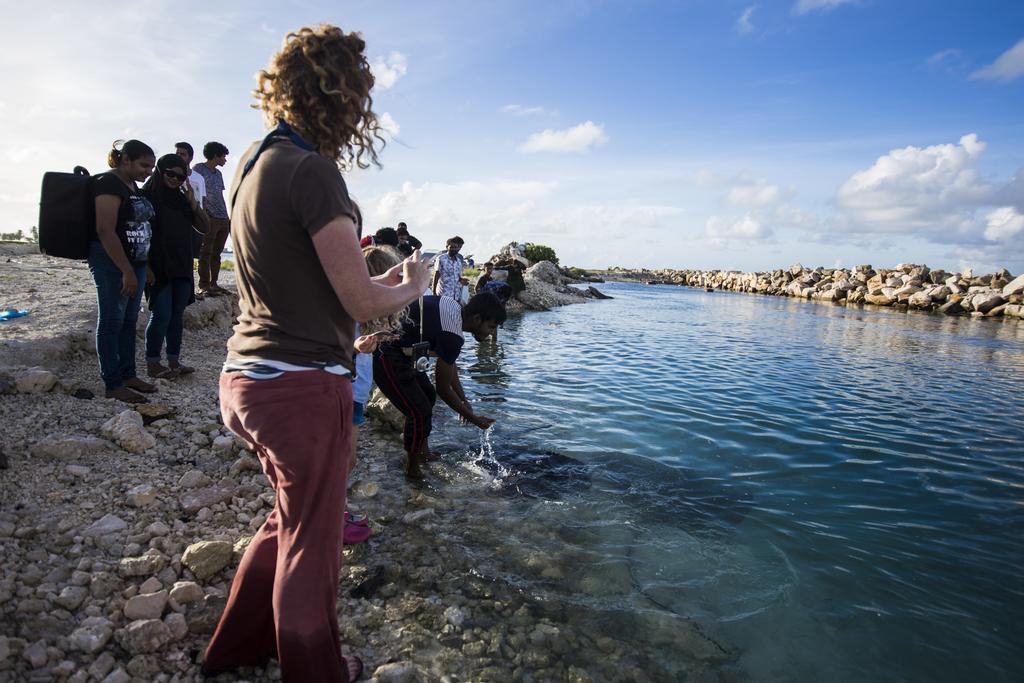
(286, 387)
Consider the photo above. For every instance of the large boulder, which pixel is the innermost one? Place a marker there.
(545, 288)
(1016, 286)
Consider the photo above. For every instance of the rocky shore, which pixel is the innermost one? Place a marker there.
(907, 286)
(120, 530)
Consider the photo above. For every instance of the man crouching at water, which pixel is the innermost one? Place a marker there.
(433, 325)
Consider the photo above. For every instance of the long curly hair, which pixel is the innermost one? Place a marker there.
(320, 82)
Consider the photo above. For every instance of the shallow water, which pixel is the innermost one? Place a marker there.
(768, 488)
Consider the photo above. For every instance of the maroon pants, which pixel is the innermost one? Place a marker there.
(283, 597)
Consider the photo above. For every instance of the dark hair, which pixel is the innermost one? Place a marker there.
(386, 236)
(169, 161)
(488, 264)
(187, 147)
(456, 240)
(212, 150)
(128, 151)
(403, 228)
(487, 306)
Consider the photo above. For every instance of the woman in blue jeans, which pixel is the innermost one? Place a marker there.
(170, 287)
(118, 254)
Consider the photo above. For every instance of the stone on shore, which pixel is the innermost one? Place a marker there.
(184, 592)
(35, 381)
(195, 501)
(127, 431)
(206, 558)
(146, 606)
(69, 448)
(143, 636)
(108, 524)
(92, 635)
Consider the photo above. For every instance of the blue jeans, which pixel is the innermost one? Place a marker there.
(115, 321)
(166, 308)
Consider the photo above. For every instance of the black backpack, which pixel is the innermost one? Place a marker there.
(67, 214)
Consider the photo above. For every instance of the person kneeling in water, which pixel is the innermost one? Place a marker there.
(438, 324)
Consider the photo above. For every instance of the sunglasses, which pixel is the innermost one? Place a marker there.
(177, 176)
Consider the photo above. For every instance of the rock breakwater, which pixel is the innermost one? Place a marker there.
(906, 286)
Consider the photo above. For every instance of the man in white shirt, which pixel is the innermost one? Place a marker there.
(198, 183)
(448, 279)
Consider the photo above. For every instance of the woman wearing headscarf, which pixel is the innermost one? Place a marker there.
(170, 287)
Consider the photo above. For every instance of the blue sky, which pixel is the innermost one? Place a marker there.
(702, 134)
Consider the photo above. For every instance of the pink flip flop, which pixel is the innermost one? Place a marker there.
(355, 533)
(361, 520)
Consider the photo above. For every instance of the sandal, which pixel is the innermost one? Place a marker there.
(127, 395)
(157, 371)
(182, 369)
(353, 667)
(361, 520)
(138, 385)
(354, 533)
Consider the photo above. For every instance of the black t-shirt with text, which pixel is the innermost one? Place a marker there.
(133, 216)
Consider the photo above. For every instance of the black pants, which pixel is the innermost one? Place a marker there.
(410, 391)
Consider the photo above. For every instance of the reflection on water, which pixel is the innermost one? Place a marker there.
(766, 488)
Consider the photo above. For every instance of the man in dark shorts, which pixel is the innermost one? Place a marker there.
(440, 329)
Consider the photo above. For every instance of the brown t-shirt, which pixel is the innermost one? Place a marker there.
(289, 311)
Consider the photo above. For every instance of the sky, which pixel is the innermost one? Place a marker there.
(705, 134)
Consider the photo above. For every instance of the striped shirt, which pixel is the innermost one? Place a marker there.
(442, 327)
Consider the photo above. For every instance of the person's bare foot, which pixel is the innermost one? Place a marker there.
(139, 385)
(412, 468)
(127, 395)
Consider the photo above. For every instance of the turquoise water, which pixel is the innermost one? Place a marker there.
(798, 490)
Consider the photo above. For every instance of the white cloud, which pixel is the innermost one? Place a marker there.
(943, 57)
(805, 6)
(389, 125)
(917, 188)
(387, 71)
(520, 110)
(720, 229)
(494, 212)
(754, 194)
(576, 139)
(1003, 223)
(744, 25)
(1007, 67)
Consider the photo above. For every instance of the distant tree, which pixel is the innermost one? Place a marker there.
(18, 236)
(35, 234)
(540, 252)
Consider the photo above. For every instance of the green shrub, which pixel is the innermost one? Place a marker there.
(540, 252)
